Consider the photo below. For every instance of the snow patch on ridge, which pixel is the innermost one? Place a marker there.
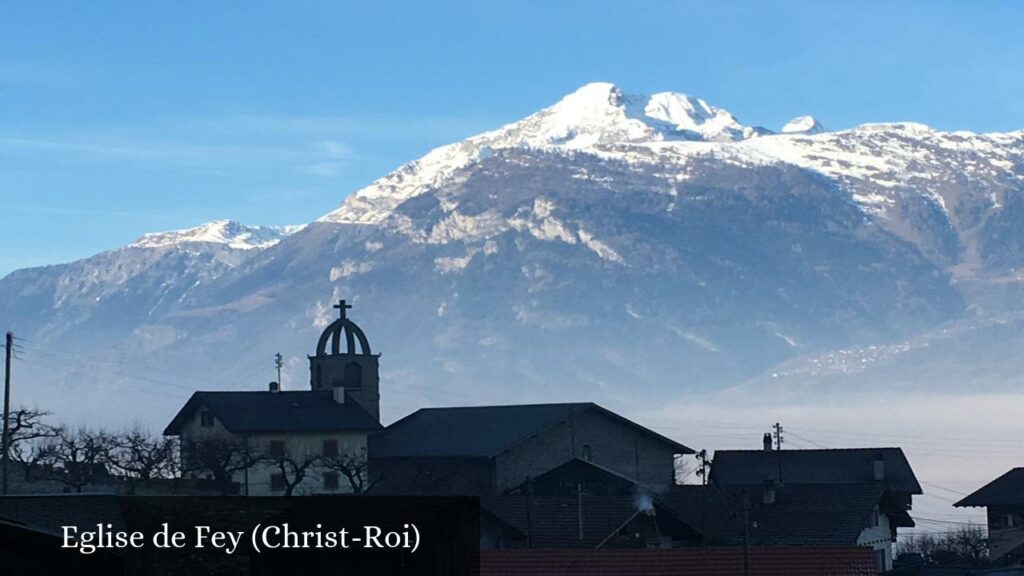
(804, 125)
(226, 232)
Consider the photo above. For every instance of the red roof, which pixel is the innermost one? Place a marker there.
(712, 561)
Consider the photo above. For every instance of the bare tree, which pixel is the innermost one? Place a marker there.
(137, 457)
(355, 469)
(292, 468)
(31, 436)
(964, 545)
(221, 458)
(80, 457)
(970, 543)
(36, 457)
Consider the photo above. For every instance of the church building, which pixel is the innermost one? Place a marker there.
(275, 442)
(328, 439)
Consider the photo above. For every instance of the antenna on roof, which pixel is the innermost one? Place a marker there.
(278, 363)
(778, 447)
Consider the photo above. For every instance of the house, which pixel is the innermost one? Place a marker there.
(883, 474)
(842, 466)
(489, 450)
(788, 515)
(582, 505)
(1003, 499)
(290, 442)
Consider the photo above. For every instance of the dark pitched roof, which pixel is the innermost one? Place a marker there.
(251, 412)
(568, 476)
(555, 521)
(801, 515)
(718, 561)
(1007, 490)
(841, 466)
(481, 431)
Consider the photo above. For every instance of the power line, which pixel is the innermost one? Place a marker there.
(66, 358)
(126, 377)
(944, 488)
(808, 440)
(110, 364)
(936, 496)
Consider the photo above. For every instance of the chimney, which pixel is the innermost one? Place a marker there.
(339, 394)
(275, 387)
(768, 491)
(879, 467)
(767, 442)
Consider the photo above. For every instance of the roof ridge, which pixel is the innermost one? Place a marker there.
(811, 449)
(261, 391)
(477, 406)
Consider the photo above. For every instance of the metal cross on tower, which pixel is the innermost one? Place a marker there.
(341, 306)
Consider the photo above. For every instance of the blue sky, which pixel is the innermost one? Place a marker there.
(118, 118)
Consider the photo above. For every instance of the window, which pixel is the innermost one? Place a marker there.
(188, 454)
(330, 480)
(330, 448)
(206, 419)
(277, 482)
(353, 376)
(587, 453)
(277, 448)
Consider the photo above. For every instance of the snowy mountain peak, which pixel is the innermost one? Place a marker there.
(226, 232)
(804, 125)
(596, 117)
(601, 114)
(594, 94)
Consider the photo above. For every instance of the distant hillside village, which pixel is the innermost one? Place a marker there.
(571, 485)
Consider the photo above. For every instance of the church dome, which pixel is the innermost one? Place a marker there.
(342, 330)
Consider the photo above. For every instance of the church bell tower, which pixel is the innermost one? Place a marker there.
(343, 360)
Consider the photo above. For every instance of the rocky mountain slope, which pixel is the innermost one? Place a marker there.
(615, 247)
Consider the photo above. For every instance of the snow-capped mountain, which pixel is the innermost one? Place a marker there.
(225, 232)
(597, 116)
(614, 247)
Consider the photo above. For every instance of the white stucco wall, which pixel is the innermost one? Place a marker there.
(879, 537)
(257, 480)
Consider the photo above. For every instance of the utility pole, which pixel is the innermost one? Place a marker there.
(8, 352)
(278, 363)
(579, 508)
(778, 447)
(704, 467)
(746, 533)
